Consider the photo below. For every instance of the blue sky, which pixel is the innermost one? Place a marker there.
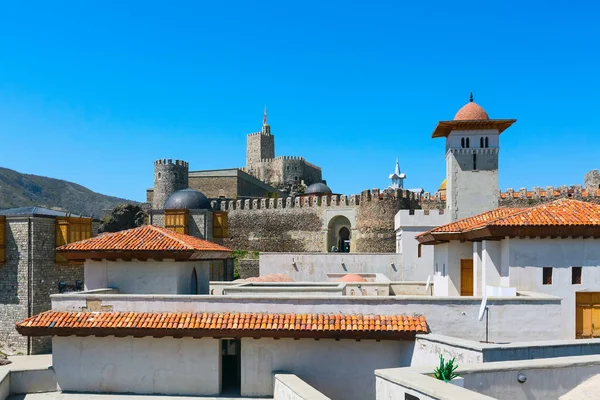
(94, 91)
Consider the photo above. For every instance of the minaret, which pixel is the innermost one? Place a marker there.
(472, 147)
(397, 178)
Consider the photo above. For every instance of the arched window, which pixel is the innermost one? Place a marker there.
(467, 143)
(194, 283)
(487, 143)
(481, 142)
(462, 142)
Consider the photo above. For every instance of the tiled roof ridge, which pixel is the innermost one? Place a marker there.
(537, 207)
(172, 235)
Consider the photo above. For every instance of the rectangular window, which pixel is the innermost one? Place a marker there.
(436, 270)
(69, 230)
(419, 251)
(177, 220)
(2, 239)
(576, 275)
(474, 161)
(547, 276)
(220, 224)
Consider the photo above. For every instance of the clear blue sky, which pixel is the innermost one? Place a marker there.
(94, 91)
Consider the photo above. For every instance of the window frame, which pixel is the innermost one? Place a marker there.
(578, 275)
(547, 279)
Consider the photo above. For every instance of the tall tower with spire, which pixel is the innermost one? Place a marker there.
(260, 146)
(397, 178)
(472, 147)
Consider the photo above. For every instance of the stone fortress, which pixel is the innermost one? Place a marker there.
(319, 220)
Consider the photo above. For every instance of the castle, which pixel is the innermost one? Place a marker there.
(319, 221)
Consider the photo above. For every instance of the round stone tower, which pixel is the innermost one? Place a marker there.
(169, 177)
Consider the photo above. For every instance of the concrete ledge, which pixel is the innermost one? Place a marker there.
(395, 383)
(289, 387)
(27, 374)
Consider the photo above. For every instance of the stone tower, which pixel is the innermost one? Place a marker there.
(169, 177)
(472, 147)
(260, 146)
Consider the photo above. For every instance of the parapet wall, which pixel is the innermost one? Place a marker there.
(315, 201)
(421, 218)
(169, 161)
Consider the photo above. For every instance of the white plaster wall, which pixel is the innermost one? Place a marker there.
(338, 369)
(290, 387)
(427, 353)
(440, 267)
(456, 252)
(4, 383)
(137, 365)
(528, 256)
(146, 277)
(408, 225)
(314, 267)
(452, 316)
(491, 262)
(549, 382)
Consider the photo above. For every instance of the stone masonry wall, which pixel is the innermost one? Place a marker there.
(248, 268)
(47, 274)
(215, 186)
(13, 285)
(375, 221)
(299, 225)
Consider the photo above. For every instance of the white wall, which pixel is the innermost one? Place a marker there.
(447, 256)
(142, 365)
(528, 256)
(314, 267)
(339, 369)
(146, 277)
(408, 224)
(452, 316)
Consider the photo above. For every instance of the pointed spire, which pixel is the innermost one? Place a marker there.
(470, 99)
(265, 116)
(397, 169)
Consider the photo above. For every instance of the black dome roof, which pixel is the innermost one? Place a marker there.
(318, 188)
(187, 199)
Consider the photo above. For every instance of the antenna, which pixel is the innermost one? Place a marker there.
(428, 283)
(483, 309)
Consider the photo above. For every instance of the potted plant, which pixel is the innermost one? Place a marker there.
(445, 372)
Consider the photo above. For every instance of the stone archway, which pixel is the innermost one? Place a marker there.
(339, 234)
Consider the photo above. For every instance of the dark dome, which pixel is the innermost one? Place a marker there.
(187, 199)
(318, 188)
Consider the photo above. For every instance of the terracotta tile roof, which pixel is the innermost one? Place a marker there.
(563, 212)
(147, 238)
(222, 324)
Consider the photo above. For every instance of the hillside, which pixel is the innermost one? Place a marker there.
(23, 190)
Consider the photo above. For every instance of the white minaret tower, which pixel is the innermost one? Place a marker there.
(397, 178)
(472, 147)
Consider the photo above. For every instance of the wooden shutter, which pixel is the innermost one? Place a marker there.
(220, 224)
(177, 220)
(2, 239)
(587, 315)
(69, 230)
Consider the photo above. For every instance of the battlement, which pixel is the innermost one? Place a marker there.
(260, 133)
(326, 201)
(550, 192)
(268, 160)
(169, 161)
(420, 218)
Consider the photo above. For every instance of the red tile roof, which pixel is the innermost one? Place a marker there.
(222, 324)
(147, 238)
(559, 213)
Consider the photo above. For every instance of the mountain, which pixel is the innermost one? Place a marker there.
(22, 190)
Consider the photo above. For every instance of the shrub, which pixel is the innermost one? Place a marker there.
(445, 371)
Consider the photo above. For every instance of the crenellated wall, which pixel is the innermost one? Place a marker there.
(300, 224)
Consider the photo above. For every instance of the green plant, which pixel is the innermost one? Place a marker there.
(445, 371)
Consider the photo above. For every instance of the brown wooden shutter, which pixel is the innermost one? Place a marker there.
(62, 236)
(220, 225)
(177, 220)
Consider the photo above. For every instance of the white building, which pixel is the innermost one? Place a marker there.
(471, 184)
(551, 248)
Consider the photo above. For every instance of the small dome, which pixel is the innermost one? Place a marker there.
(471, 111)
(267, 278)
(443, 185)
(189, 199)
(318, 188)
(352, 278)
